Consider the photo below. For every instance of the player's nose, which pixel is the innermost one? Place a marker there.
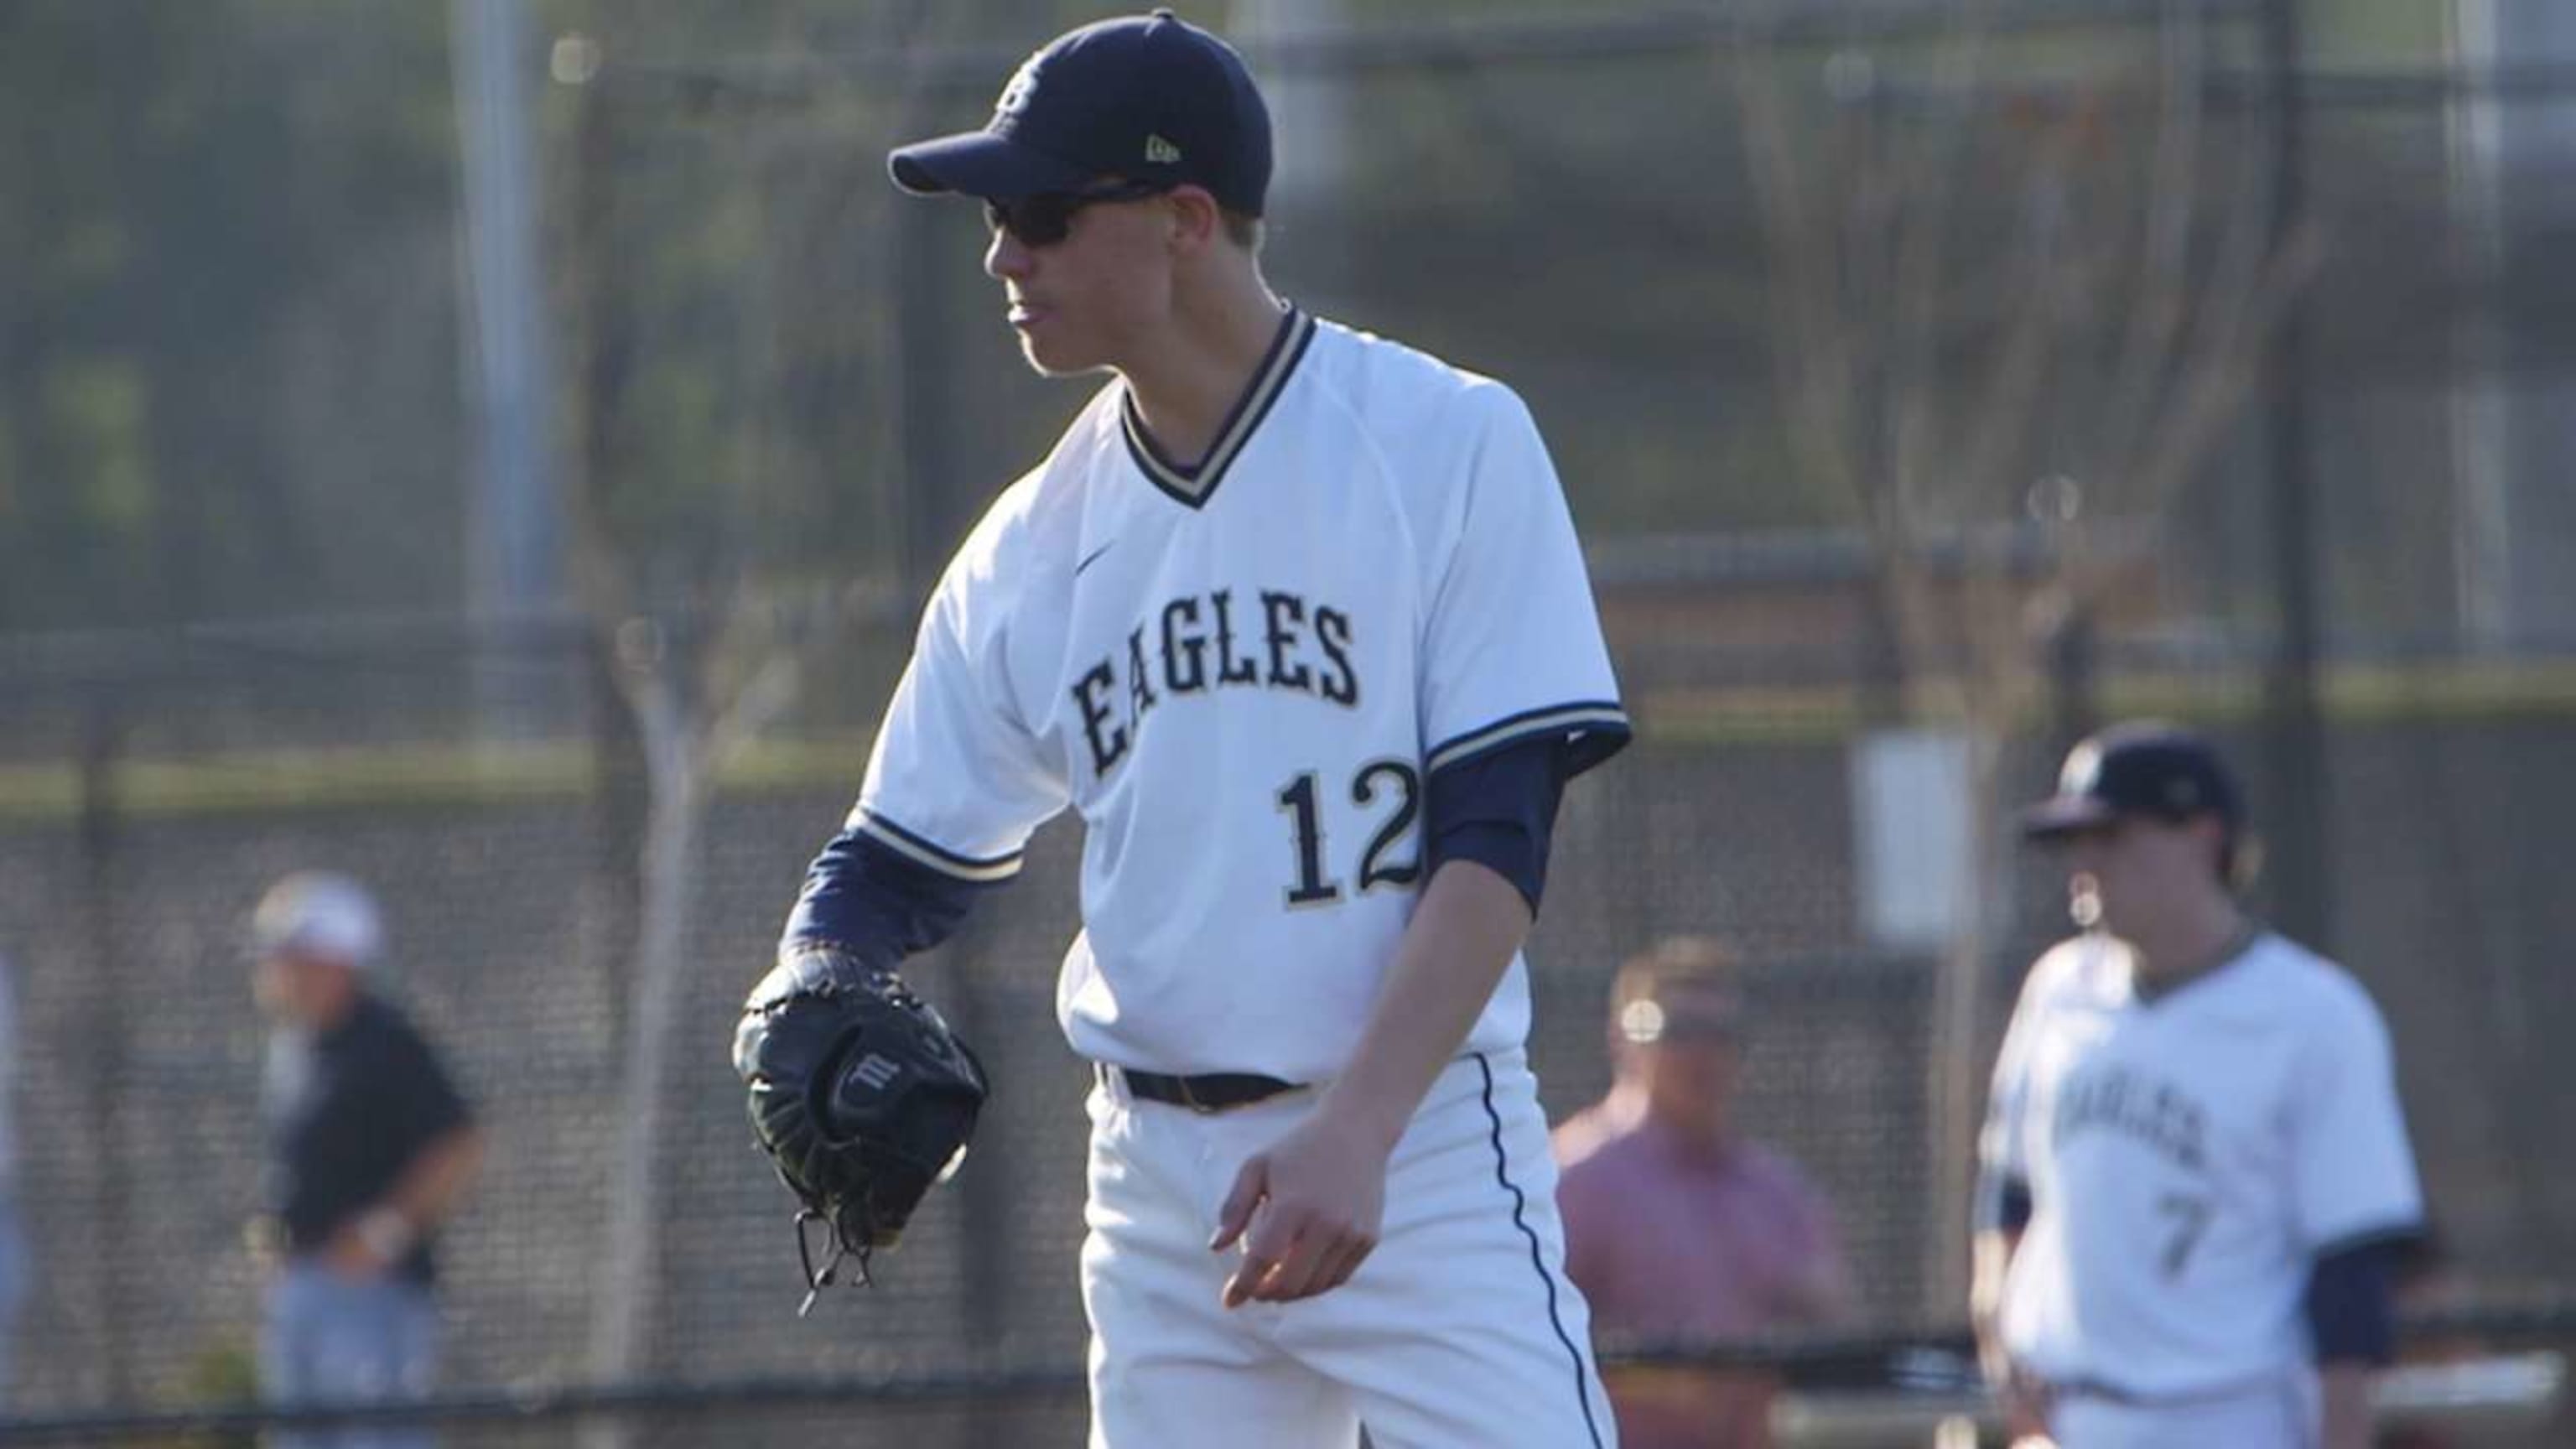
(1005, 258)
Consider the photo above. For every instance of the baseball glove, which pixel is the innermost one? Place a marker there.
(860, 1094)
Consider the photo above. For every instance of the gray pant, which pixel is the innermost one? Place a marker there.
(13, 1291)
(330, 1340)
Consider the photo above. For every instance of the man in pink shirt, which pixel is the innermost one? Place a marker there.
(1676, 1227)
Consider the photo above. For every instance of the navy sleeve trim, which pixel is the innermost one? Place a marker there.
(1591, 731)
(2004, 1203)
(879, 903)
(2350, 1309)
(979, 869)
(1499, 810)
(2387, 1235)
(1193, 486)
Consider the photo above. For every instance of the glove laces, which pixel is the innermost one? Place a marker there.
(816, 1282)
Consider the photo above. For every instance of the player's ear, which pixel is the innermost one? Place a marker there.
(2218, 840)
(1196, 219)
(2240, 862)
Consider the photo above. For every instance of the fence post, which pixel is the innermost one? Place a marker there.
(2294, 734)
(107, 1220)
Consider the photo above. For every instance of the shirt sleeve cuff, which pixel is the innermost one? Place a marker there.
(1499, 810)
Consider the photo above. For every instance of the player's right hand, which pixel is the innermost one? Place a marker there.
(2026, 1404)
(1307, 1213)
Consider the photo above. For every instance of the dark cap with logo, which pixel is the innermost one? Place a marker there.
(1145, 97)
(2138, 770)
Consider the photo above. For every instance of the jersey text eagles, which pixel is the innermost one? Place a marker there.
(2155, 1113)
(1268, 639)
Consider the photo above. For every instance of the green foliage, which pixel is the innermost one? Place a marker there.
(222, 1373)
(177, 183)
(231, 307)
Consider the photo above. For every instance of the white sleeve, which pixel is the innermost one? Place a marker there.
(2001, 1154)
(957, 781)
(1513, 646)
(2352, 1175)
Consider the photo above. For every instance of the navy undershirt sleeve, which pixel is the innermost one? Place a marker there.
(1499, 810)
(2350, 1314)
(880, 905)
(2003, 1203)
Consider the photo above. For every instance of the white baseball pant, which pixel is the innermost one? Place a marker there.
(2280, 1414)
(1461, 1328)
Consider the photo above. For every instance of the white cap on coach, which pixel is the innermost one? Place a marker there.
(319, 913)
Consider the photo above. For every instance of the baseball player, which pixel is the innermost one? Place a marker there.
(1295, 619)
(2195, 1167)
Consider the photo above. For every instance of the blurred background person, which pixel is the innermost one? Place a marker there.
(2196, 1165)
(13, 1249)
(372, 1149)
(1677, 1226)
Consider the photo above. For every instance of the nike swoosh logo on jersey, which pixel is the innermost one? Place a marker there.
(1093, 557)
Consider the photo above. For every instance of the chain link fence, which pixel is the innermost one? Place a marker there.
(487, 780)
(186, 773)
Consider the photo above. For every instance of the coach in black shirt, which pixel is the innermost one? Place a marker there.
(371, 1149)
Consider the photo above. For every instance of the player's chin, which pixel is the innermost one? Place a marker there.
(1056, 350)
(1049, 359)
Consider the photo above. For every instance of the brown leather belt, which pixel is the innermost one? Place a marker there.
(1208, 1092)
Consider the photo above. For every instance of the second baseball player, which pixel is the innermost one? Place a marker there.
(2195, 1160)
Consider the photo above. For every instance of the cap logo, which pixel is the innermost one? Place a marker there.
(1015, 95)
(1160, 152)
(2083, 770)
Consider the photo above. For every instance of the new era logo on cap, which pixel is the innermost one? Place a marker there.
(1159, 152)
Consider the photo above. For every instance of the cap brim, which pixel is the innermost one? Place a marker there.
(981, 164)
(2064, 815)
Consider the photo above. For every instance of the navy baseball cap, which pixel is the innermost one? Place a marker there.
(2150, 770)
(1147, 97)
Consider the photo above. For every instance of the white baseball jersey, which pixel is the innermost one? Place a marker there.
(1240, 675)
(2188, 1158)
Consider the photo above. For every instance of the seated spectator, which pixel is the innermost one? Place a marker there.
(1677, 1228)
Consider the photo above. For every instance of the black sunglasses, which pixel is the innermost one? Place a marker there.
(1047, 218)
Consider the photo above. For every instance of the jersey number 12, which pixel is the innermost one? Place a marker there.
(1300, 800)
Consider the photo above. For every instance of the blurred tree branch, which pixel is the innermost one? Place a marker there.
(690, 514)
(2007, 398)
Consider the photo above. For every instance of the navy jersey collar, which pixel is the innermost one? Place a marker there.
(1194, 485)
